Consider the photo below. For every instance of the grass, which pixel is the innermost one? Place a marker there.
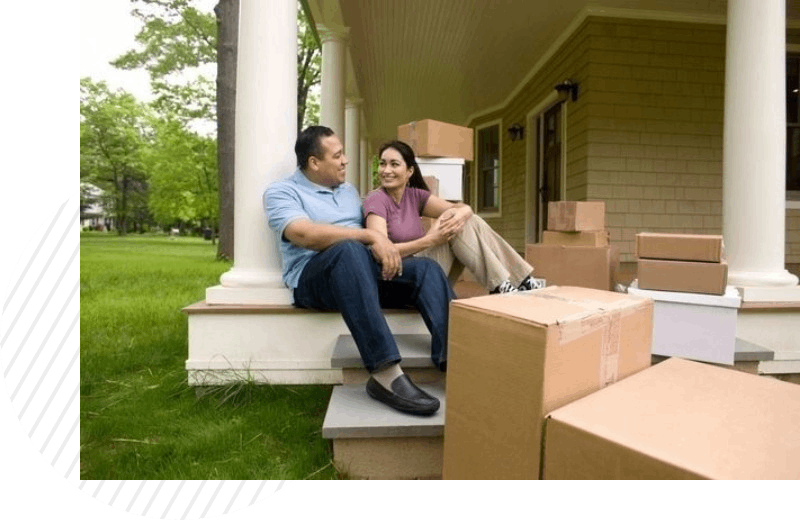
(139, 418)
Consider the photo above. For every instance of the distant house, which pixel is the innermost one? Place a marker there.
(93, 215)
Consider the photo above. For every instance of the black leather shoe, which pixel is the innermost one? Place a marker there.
(405, 396)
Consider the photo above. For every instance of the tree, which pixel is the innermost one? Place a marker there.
(183, 175)
(113, 133)
(309, 71)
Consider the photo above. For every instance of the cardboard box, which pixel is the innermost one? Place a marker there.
(570, 215)
(513, 358)
(431, 138)
(581, 266)
(679, 420)
(666, 246)
(694, 326)
(575, 238)
(677, 276)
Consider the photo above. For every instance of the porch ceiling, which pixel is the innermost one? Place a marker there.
(451, 59)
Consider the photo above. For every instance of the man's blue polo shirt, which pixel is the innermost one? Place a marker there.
(297, 198)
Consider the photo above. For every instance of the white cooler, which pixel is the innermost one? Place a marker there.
(450, 173)
(694, 326)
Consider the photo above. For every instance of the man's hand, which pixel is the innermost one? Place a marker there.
(386, 254)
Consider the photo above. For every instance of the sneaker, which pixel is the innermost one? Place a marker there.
(505, 287)
(530, 283)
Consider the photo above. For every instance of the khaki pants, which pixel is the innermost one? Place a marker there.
(487, 256)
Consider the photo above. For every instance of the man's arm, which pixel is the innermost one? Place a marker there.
(318, 237)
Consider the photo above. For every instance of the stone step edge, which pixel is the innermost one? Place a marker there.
(202, 307)
(414, 349)
(353, 414)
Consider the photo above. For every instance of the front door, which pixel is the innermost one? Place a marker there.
(547, 168)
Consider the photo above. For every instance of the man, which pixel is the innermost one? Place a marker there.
(332, 263)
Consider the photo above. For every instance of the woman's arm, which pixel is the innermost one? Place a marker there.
(451, 216)
(434, 236)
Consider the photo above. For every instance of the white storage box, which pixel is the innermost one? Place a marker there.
(694, 326)
(449, 171)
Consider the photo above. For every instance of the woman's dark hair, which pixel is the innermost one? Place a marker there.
(309, 143)
(416, 180)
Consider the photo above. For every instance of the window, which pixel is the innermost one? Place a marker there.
(792, 126)
(488, 169)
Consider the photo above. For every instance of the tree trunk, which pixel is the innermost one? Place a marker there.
(227, 12)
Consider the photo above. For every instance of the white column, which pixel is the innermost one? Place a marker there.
(352, 141)
(754, 145)
(266, 129)
(365, 166)
(332, 88)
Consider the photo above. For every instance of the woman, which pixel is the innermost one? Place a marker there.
(456, 239)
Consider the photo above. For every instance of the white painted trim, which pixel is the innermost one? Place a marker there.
(499, 212)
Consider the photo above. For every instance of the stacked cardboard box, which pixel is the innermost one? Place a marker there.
(514, 358)
(681, 263)
(678, 420)
(575, 249)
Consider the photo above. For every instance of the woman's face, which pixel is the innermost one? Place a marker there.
(393, 171)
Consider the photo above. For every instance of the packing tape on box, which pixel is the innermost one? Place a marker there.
(609, 323)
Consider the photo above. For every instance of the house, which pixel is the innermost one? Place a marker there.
(676, 113)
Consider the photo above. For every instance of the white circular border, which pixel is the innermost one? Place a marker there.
(39, 359)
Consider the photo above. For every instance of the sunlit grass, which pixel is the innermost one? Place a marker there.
(139, 418)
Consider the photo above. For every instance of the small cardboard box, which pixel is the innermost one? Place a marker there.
(694, 326)
(513, 358)
(570, 215)
(678, 276)
(666, 246)
(581, 266)
(575, 238)
(450, 174)
(679, 420)
(431, 138)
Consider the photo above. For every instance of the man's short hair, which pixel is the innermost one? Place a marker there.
(309, 143)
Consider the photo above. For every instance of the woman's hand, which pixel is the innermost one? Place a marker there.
(453, 219)
(438, 234)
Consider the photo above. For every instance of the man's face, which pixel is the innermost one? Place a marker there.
(331, 168)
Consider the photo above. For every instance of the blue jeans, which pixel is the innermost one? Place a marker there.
(345, 277)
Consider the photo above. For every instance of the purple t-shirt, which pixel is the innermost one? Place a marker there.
(402, 220)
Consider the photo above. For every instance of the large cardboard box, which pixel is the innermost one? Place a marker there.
(513, 358)
(677, 276)
(679, 420)
(694, 326)
(582, 266)
(570, 215)
(575, 238)
(431, 138)
(667, 246)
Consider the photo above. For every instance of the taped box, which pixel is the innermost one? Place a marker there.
(667, 246)
(679, 276)
(679, 419)
(570, 215)
(575, 238)
(513, 358)
(430, 138)
(582, 266)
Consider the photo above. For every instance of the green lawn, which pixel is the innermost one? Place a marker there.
(139, 418)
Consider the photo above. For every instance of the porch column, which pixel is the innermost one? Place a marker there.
(266, 129)
(352, 141)
(754, 145)
(332, 88)
(366, 181)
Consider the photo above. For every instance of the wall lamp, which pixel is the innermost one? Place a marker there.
(516, 132)
(568, 86)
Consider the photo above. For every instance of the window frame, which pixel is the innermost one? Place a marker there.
(477, 204)
(793, 196)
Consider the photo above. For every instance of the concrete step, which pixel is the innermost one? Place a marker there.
(415, 350)
(373, 441)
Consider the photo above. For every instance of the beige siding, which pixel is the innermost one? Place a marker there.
(645, 134)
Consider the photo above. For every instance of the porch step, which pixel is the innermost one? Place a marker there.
(415, 350)
(373, 441)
